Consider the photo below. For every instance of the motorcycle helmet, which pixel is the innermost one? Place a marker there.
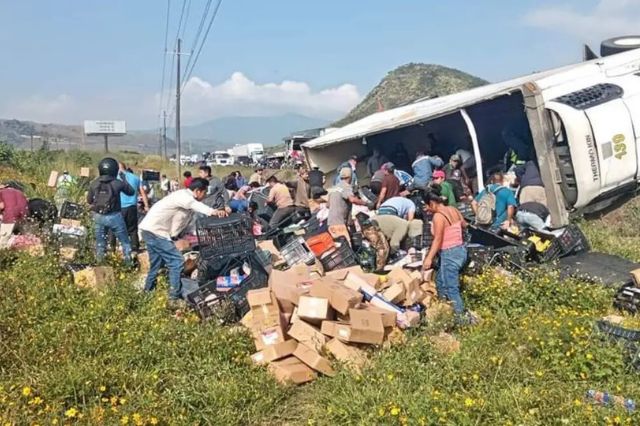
(108, 167)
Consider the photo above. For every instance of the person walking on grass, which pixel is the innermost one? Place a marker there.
(104, 199)
(449, 245)
(163, 224)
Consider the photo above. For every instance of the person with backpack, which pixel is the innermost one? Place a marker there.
(104, 200)
(495, 206)
(448, 244)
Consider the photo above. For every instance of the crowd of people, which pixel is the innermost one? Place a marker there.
(396, 214)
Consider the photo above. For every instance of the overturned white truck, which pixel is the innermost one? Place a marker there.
(580, 122)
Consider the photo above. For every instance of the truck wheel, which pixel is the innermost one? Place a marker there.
(619, 44)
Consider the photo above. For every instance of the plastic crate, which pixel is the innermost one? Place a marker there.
(628, 298)
(71, 210)
(341, 257)
(573, 241)
(296, 251)
(321, 243)
(230, 306)
(551, 253)
(312, 226)
(356, 240)
(225, 236)
(618, 332)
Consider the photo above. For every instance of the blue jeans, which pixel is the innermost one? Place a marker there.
(113, 222)
(448, 277)
(239, 205)
(163, 252)
(530, 220)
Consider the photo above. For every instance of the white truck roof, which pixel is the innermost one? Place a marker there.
(564, 78)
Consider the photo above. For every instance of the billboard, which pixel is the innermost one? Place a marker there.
(104, 127)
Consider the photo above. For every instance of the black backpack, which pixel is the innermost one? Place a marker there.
(104, 200)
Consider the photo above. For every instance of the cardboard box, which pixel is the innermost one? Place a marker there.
(95, 278)
(313, 309)
(415, 295)
(357, 283)
(429, 288)
(274, 352)
(68, 253)
(365, 327)
(408, 319)
(73, 223)
(347, 354)
(85, 172)
(291, 370)
(53, 179)
(267, 336)
(247, 320)
(268, 245)
(341, 298)
(330, 328)
(314, 360)
(395, 293)
(635, 274)
(427, 300)
(388, 317)
(288, 286)
(260, 297)
(307, 334)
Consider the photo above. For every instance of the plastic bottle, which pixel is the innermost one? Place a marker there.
(607, 399)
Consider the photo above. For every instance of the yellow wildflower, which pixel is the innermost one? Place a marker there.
(26, 391)
(71, 412)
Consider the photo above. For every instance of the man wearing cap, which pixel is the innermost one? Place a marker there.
(423, 169)
(396, 220)
(340, 199)
(390, 184)
(351, 164)
(445, 187)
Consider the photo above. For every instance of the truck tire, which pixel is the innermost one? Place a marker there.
(619, 44)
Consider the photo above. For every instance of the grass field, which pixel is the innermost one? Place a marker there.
(70, 356)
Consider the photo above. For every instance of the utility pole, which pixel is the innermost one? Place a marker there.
(106, 143)
(164, 135)
(179, 166)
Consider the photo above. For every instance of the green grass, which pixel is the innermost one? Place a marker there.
(73, 356)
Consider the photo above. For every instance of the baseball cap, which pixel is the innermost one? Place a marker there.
(438, 174)
(345, 172)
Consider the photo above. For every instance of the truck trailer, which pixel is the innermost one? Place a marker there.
(580, 123)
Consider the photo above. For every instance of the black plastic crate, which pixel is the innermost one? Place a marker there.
(341, 257)
(551, 253)
(356, 240)
(229, 306)
(71, 210)
(573, 241)
(312, 226)
(479, 257)
(617, 331)
(628, 298)
(151, 176)
(225, 236)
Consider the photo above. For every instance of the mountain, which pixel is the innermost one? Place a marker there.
(409, 83)
(220, 133)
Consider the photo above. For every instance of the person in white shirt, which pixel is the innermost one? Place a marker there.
(164, 222)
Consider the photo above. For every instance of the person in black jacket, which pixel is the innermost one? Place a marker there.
(104, 199)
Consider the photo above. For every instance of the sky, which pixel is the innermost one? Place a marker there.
(66, 61)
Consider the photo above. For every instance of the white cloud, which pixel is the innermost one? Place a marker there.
(239, 95)
(201, 100)
(609, 18)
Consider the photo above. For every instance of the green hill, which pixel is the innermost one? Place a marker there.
(409, 83)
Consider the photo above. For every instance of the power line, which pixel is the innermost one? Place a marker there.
(186, 19)
(205, 13)
(184, 3)
(204, 39)
(164, 55)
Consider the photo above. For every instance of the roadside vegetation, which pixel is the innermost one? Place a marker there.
(72, 356)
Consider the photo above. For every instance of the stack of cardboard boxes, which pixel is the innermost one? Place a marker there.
(304, 317)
